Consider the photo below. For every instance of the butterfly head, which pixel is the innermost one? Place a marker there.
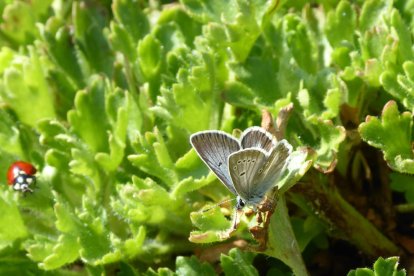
(240, 203)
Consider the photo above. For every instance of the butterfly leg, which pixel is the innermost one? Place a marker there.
(236, 219)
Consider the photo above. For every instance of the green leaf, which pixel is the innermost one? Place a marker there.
(14, 262)
(330, 137)
(282, 243)
(9, 135)
(160, 272)
(117, 107)
(238, 263)
(257, 83)
(306, 230)
(242, 21)
(213, 225)
(300, 43)
(299, 163)
(372, 12)
(192, 266)
(88, 32)
(94, 235)
(133, 246)
(150, 53)
(26, 89)
(396, 147)
(66, 221)
(401, 86)
(388, 266)
(336, 95)
(381, 266)
(403, 183)
(153, 157)
(341, 24)
(196, 92)
(65, 57)
(91, 123)
(130, 25)
(10, 216)
(65, 252)
(19, 21)
(6, 57)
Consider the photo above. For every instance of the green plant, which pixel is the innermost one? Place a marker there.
(101, 96)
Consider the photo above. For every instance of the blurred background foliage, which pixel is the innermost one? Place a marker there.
(101, 96)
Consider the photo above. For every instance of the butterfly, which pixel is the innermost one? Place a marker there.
(249, 167)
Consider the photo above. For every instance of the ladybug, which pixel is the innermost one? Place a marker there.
(21, 175)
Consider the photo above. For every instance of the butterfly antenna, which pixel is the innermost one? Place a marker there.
(218, 204)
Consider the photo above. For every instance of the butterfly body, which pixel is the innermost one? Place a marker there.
(249, 167)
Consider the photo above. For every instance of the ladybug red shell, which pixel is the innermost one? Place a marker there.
(21, 175)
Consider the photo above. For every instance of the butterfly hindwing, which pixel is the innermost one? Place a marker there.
(214, 147)
(257, 137)
(243, 167)
(274, 166)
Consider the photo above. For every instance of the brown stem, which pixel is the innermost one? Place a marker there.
(347, 223)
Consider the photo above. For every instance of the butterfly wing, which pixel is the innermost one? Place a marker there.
(274, 167)
(243, 167)
(214, 147)
(257, 137)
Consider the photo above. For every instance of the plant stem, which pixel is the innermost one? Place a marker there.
(345, 221)
(282, 242)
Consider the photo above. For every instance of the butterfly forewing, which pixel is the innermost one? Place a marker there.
(274, 166)
(243, 166)
(257, 137)
(214, 147)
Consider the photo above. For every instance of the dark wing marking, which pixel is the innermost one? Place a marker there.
(214, 147)
(243, 167)
(257, 137)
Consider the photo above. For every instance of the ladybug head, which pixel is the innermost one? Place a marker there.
(22, 182)
(21, 175)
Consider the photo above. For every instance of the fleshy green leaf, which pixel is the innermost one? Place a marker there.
(129, 26)
(372, 12)
(341, 23)
(150, 53)
(401, 86)
(402, 183)
(10, 216)
(26, 90)
(91, 124)
(382, 266)
(117, 107)
(238, 263)
(88, 31)
(65, 251)
(192, 266)
(300, 44)
(153, 157)
(396, 147)
(299, 163)
(330, 137)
